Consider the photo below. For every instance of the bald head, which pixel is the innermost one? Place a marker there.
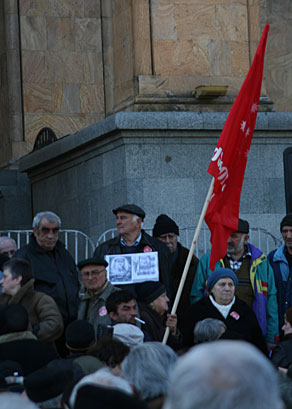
(8, 246)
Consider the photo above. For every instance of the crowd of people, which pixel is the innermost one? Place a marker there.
(92, 335)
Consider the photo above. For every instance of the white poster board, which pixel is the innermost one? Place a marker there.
(132, 268)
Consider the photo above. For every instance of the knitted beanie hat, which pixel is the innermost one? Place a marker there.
(79, 335)
(164, 224)
(47, 383)
(287, 221)
(221, 273)
(149, 291)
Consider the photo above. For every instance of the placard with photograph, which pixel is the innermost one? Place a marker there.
(132, 268)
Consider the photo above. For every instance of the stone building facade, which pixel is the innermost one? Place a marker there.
(69, 64)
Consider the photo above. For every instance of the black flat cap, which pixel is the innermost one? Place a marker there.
(94, 261)
(243, 226)
(130, 208)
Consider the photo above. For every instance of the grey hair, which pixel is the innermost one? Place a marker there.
(207, 330)
(148, 368)
(224, 375)
(12, 400)
(6, 238)
(51, 216)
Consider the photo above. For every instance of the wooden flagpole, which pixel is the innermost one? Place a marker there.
(190, 255)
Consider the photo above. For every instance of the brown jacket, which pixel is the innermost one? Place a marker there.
(43, 313)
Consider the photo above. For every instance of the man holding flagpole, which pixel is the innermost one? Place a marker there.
(227, 167)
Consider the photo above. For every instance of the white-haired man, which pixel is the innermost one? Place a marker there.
(224, 375)
(53, 267)
(133, 239)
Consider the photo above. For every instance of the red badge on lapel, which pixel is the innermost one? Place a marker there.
(147, 249)
(235, 315)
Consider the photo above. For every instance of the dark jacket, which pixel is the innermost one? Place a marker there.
(282, 353)
(24, 348)
(155, 327)
(176, 273)
(281, 269)
(43, 313)
(55, 274)
(113, 246)
(241, 322)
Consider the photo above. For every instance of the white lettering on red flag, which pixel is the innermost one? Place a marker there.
(230, 156)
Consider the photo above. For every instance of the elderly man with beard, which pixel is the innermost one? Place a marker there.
(256, 284)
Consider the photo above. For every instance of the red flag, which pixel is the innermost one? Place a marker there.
(230, 156)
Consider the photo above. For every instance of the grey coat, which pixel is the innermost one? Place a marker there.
(93, 308)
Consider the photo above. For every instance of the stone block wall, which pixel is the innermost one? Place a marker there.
(62, 67)
(158, 161)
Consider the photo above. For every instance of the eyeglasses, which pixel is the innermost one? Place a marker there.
(47, 230)
(94, 273)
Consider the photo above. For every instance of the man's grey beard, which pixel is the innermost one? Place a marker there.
(236, 250)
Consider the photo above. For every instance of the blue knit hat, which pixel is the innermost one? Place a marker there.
(220, 273)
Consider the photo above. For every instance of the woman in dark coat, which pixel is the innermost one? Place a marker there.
(222, 304)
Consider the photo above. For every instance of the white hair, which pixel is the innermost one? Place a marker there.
(148, 368)
(50, 216)
(135, 218)
(224, 375)
(10, 400)
(102, 377)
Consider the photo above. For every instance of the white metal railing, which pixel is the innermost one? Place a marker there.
(78, 243)
(82, 246)
(259, 237)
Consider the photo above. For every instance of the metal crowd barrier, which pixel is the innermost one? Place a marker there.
(261, 238)
(76, 242)
(82, 246)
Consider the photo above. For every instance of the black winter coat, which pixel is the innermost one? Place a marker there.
(282, 353)
(56, 275)
(113, 246)
(241, 322)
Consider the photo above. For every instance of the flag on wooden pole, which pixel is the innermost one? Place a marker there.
(228, 163)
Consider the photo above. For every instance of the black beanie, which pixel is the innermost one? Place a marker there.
(149, 291)
(13, 318)
(79, 335)
(287, 221)
(47, 383)
(164, 224)
(101, 397)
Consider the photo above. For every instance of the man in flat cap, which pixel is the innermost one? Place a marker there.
(281, 262)
(167, 231)
(256, 284)
(95, 292)
(133, 239)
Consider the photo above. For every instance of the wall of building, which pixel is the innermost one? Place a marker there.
(68, 64)
(158, 161)
(62, 69)
(278, 73)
